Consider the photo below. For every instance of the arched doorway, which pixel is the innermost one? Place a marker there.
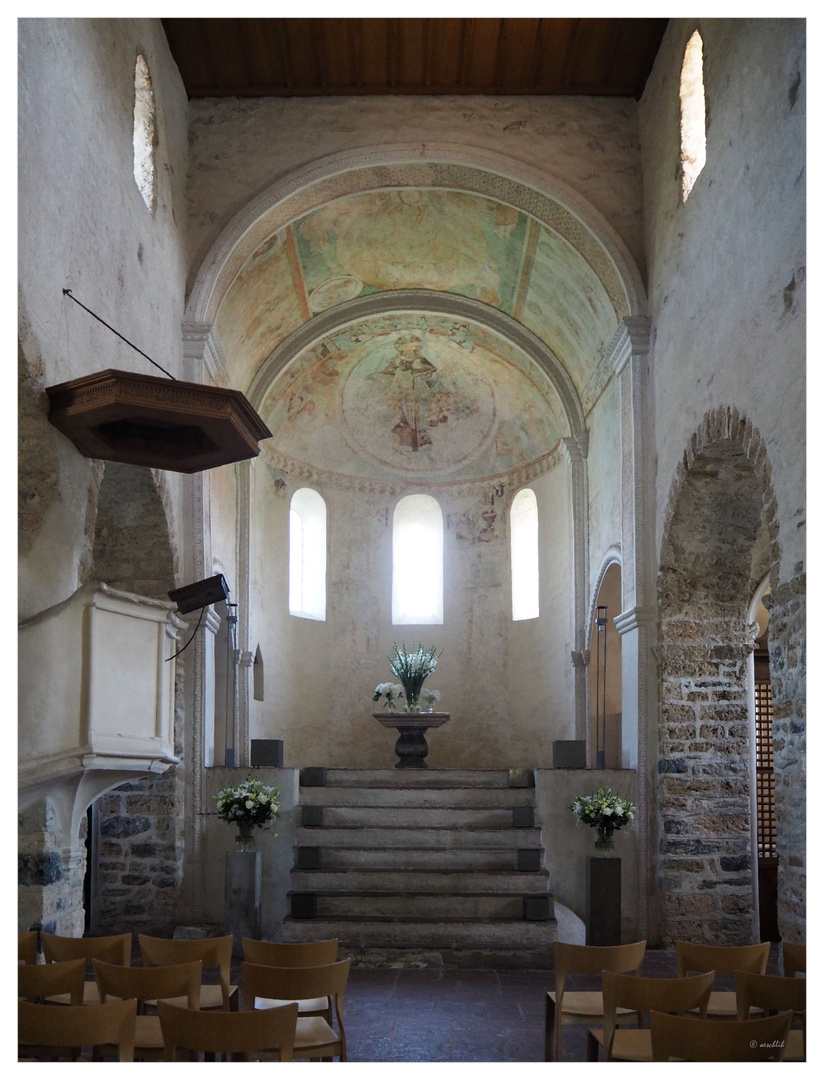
(715, 548)
(605, 733)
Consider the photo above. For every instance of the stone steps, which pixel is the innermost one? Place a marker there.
(443, 864)
(417, 882)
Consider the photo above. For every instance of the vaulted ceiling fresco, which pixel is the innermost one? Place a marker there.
(418, 395)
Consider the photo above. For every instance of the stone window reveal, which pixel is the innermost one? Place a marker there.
(693, 115)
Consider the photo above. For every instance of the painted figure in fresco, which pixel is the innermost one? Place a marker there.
(412, 384)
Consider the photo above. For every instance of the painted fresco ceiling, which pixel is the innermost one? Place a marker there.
(417, 395)
(414, 396)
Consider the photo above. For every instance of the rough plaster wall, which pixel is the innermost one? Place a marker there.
(87, 228)
(242, 146)
(741, 238)
(727, 267)
(497, 678)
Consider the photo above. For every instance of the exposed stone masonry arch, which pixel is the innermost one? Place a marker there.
(721, 501)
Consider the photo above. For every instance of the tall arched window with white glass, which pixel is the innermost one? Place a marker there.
(417, 561)
(307, 555)
(523, 532)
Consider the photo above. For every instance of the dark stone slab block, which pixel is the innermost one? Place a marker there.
(569, 754)
(311, 816)
(267, 752)
(523, 817)
(529, 859)
(303, 905)
(536, 908)
(603, 901)
(313, 777)
(307, 858)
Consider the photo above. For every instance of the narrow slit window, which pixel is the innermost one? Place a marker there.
(145, 132)
(693, 115)
(307, 555)
(417, 561)
(523, 532)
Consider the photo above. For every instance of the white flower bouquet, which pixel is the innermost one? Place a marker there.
(604, 812)
(412, 668)
(250, 805)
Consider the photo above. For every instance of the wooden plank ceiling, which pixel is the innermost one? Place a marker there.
(309, 57)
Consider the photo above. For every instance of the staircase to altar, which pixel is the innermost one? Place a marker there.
(435, 866)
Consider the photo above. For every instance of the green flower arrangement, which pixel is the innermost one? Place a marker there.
(249, 805)
(605, 813)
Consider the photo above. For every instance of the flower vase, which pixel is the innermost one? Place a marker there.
(245, 837)
(604, 838)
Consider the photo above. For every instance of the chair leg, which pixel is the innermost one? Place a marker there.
(549, 1029)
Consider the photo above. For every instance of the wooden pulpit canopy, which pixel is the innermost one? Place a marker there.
(156, 422)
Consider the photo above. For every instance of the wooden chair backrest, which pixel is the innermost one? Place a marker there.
(770, 993)
(795, 958)
(642, 995)
(149, 984)
(73, 1026)
(38, 981)
(593, 959)
(212, 952)
(27, 947)
(295, 984)
(228, 1032)
(114, 948)
(692, 956)
(690, 1039)
(288, 954)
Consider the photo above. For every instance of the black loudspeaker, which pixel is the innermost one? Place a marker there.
(199, 595)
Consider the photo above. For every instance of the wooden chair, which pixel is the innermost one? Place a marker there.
(212, 952)
(723, 960)
(149, 985)
(27, 947)
(794, 959)
(315, 1037)
(241, 1034)
(39, 982)
(769, 994)
(688, 1038)
(641, 995)
(299, 954)
(113, 949)
(46, 1032)
(584, 1006)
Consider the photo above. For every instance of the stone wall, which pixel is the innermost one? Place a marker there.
(140, 856)
(787, 607)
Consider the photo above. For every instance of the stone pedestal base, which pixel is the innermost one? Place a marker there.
(603, 910)
(411, 747)
(242, 897)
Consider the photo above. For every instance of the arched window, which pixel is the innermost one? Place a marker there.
(417, 561)
(145, 134)
(307, 555)
(693, 115)
(523, 532)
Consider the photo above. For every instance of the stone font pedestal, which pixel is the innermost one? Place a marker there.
(411, 747)
(242, 896)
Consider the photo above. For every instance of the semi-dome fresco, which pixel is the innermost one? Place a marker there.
(418, 395)
(551, 278)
